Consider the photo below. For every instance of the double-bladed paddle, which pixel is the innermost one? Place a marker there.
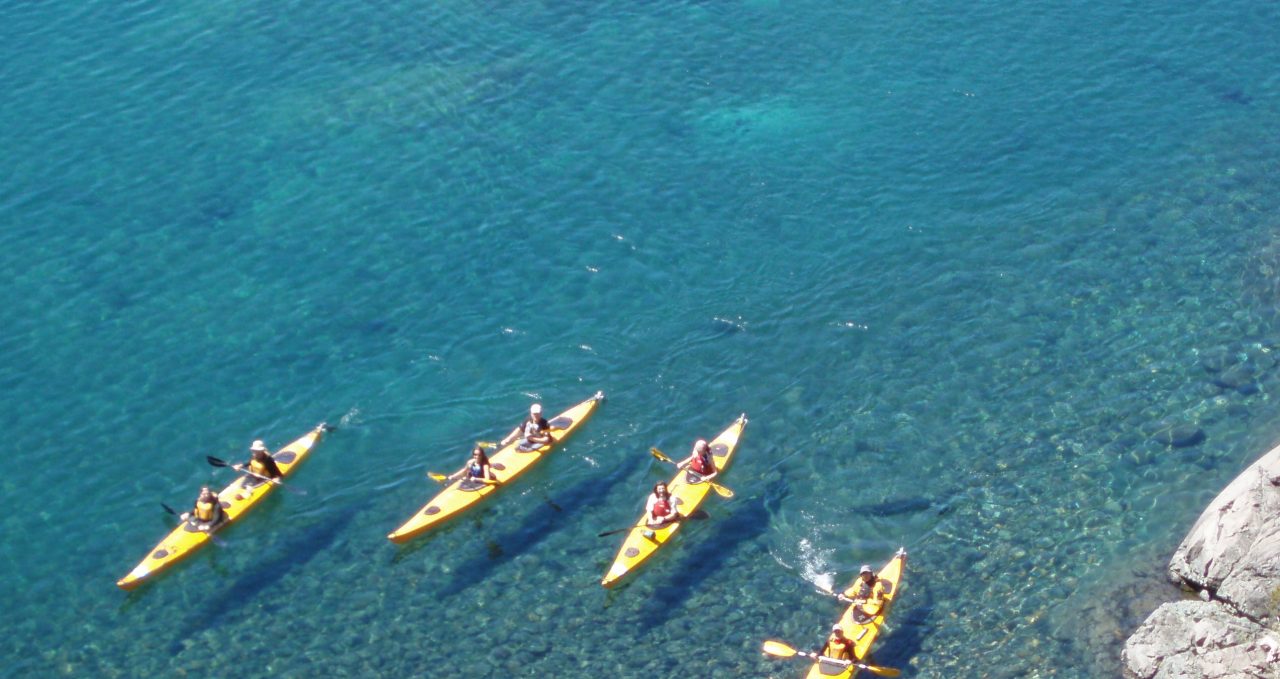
(719, 489)
(696, 515)
(781, 650)
(218, 462)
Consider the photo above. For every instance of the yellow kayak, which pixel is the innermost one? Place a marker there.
(686, 495)
(863, 634)
(506, 464)
(235, 499)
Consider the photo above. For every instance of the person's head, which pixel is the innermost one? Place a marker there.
(660, 489)
(701, 446)
(837, 631)
(535, 410)
(478, 455)
(866, 573)
(259, 454)
(205, 492)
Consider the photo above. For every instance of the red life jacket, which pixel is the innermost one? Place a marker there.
(701, 465)
(661, 508)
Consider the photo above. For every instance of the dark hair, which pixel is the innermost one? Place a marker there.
(665, 491)
(484, 459)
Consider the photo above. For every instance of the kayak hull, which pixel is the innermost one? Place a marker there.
(863, 633)
(637, 547)
(236, 499)
(507, 464)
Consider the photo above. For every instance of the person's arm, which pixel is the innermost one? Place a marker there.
(489, 474)
(274, 470)
(458, 474)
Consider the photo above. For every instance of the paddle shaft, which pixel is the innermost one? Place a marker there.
(218, 462)
(696, 515)
(719, 489)
(781, 650)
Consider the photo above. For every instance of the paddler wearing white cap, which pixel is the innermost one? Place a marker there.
(261, 467)
(867, 593)
(838, 646)
(533, 433)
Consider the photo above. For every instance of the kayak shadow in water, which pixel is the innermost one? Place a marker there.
(300, 549)
(537, 526)
(716, 542)
(909, 626)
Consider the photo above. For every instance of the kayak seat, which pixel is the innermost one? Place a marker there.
(471, 485)
(832, 669)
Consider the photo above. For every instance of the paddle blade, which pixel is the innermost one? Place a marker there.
(778, 649)
(487, 444)
(169, 509)
(882, 671)
(439, 478)
(721, 490)
(216, 462)
(612, 532)
(658, 454)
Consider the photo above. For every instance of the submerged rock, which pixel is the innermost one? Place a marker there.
(1236, 376)
(1176, 434)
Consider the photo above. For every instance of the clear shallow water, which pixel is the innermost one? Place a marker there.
(964, 261)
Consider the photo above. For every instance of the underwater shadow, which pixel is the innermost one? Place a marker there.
(295, 553)
(906, 638)
(542, 522)
(693, 567)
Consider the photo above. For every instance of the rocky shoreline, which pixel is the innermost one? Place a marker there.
(1229, 564)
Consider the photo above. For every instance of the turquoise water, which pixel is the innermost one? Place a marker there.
(964, 266)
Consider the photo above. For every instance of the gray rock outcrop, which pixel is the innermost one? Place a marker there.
(1231, 558)
(1233, 551)
(1201, 640)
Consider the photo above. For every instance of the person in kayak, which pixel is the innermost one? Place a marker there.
(838, 646)
(477, 468)
(659, 509)
(868, 594)
(261, 467)
(533, 433)
(208, 513)
(700, 462)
